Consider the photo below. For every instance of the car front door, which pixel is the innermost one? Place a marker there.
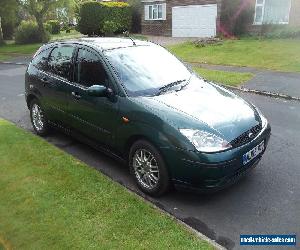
(95, 117)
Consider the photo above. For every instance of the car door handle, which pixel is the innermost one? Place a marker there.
(76, 95)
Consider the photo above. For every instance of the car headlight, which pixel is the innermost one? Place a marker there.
(264, 120)
(204, 141)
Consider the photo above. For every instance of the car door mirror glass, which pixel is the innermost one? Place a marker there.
(97, 91)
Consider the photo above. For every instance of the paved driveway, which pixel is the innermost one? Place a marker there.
(266, 201)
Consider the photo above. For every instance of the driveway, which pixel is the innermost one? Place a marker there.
(286, 83)
(265, 201)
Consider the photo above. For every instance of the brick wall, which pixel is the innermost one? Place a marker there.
(164, 27)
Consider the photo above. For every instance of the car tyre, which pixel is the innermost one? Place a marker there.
(38, 118)
(148, 168)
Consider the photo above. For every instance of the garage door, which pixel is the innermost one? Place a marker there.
(194, 21)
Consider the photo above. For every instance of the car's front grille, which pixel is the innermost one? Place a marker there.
(247, 136)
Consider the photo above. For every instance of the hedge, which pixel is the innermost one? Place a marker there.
(93, 15)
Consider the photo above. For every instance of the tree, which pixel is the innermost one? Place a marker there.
(39, 9)
(136, 6)
(8, 10)
(236, 16)
(1, 34)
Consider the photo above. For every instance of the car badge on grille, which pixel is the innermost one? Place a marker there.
(250, 135)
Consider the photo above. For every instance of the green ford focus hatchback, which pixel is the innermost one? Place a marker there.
(137, 102)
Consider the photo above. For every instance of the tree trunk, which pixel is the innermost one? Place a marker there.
(1, 34)
(41, 29)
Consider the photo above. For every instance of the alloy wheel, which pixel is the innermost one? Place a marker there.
(146, 168)
(37, 117)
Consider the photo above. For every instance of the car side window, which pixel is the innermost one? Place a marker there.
(89, 70)
(40, 60)
(60, 61)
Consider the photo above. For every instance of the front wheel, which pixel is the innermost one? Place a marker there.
(148, 168)
(38, 119)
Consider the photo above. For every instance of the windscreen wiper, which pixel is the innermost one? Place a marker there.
(170, 85)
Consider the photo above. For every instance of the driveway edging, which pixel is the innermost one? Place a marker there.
(263, 93)
(192, 230)
(13, 63)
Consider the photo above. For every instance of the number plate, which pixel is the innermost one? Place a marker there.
(253, 153)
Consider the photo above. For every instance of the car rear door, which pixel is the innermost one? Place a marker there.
(95, 117)
(57, 82)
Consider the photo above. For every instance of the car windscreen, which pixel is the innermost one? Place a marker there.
(143, 70)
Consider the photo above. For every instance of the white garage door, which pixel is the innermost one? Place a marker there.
(194, 20)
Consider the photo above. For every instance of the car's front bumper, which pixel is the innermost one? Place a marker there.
(212, 172)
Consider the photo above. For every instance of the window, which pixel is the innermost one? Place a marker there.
(259, 11)
(40, 60)
(60, 61)
(155, 12)
(145, 77)
(89, 69)
(272, 12)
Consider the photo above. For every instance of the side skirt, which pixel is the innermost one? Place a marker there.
(86, 140)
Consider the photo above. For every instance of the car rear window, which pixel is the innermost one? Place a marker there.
(41, 59)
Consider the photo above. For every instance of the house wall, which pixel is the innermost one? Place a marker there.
(295, 13)
(294, 17)
(164, 27)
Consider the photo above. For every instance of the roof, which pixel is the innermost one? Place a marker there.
(107, 43)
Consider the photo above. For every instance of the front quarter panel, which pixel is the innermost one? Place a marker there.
(144, 122)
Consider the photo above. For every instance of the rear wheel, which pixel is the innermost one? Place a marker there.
(148, 168)
(38, 119)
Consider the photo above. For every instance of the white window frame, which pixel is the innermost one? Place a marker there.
(263, 13)
(155, 10)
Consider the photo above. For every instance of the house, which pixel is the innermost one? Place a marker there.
(201, 18)
(180, 18)
(275, 12)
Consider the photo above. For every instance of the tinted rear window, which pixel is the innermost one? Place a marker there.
(40, 61)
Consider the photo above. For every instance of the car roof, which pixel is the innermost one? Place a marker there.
(106, 43)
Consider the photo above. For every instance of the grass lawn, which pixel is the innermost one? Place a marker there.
(51, 200)
(63, 35)
(282, 55)
(224, 77)
(12, 50)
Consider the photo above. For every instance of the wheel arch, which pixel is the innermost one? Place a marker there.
(29, 99)
(131, 140)
(134, 138)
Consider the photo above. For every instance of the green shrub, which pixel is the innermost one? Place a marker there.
(48, 27)
(54, 26)
(136, 6)
(28, 32)
(236, 16)
(273, 31)
(109, 28)
(93, 15)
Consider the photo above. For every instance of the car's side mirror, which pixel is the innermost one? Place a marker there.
(97, 91)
